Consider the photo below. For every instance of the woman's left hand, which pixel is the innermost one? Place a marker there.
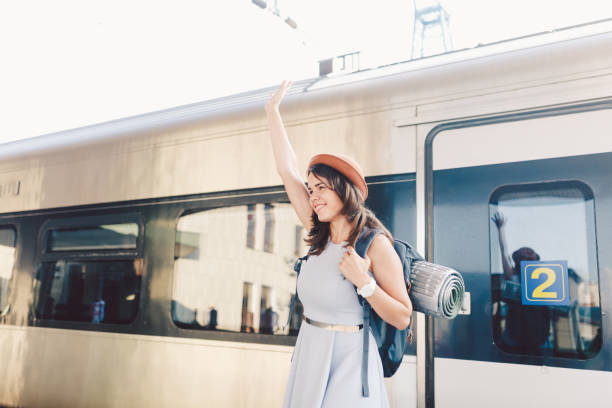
(355, 268)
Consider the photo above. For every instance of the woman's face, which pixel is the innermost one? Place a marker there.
(323, 199)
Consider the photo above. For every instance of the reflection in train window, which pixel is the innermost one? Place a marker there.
(7, 261)
(89, 291)
(545, 222)
(104, 237)
(232, 285)
(90, 273)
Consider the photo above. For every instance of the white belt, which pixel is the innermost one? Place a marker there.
(335, 327)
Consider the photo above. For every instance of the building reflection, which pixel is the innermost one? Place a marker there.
(239, 259)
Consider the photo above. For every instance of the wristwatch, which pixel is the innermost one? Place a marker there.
(368, 289)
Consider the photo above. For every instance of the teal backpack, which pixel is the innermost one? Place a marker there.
(390, 340)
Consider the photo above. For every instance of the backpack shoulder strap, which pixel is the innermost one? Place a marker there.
(296, 267)
(361, 247)
(365, 240)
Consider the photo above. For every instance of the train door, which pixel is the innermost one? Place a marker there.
(521, 205)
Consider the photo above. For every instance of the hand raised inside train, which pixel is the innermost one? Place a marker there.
(275, 100)
(355, 268)
(499, 219)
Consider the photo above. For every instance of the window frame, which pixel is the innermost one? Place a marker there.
(273, 197)
(42, 255)
(6, 311)
(533, 186)
(538, 186)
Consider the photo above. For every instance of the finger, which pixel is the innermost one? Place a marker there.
(280, 94)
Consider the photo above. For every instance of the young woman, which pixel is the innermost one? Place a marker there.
(326, 363)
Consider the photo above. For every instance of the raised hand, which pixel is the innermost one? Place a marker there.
(499, 219)
(276, 99)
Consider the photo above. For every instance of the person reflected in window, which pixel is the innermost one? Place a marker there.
(268, 321)
(212, 318)
(527, 327)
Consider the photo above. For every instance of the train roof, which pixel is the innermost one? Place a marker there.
(254, 100)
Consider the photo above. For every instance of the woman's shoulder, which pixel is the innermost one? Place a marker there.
(385, 261)
(380, 244)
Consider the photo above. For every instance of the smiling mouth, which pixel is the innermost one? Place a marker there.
(318, 207)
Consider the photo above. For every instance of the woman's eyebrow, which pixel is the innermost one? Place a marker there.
(320, 183)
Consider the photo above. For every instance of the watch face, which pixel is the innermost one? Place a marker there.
(368, 289)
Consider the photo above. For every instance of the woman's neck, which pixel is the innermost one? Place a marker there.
(339, 230)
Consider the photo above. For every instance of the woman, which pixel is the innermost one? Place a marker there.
(326, 363)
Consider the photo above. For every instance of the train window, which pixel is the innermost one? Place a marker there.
(89, 291)
(105, 237)
(90, 273)
(230, 286)
(7, 254)
(545, 222)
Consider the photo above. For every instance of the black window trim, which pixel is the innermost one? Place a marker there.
(578, 184)
(65, 221)
(10, 298)
(276, 196)
(588, 194)
(43, 255)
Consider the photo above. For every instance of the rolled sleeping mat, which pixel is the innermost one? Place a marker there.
(436, 290)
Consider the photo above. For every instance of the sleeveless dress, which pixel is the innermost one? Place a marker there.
(326, 364)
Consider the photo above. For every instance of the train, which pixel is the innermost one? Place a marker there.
(147, 261)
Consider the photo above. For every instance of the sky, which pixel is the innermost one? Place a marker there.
(72, 63)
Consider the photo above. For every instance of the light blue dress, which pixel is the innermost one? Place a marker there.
(326, 365)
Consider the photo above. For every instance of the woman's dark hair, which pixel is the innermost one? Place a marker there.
(354, 209)
(523, 254)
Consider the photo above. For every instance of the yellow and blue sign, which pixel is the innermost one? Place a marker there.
(544, 283)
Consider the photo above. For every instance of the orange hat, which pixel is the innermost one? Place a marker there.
(345, 165)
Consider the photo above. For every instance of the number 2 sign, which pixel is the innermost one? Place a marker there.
(544, 283)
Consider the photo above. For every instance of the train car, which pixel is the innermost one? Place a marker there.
(147, 261)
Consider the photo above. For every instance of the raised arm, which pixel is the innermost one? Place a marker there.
(499, 220)
(286, 161)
